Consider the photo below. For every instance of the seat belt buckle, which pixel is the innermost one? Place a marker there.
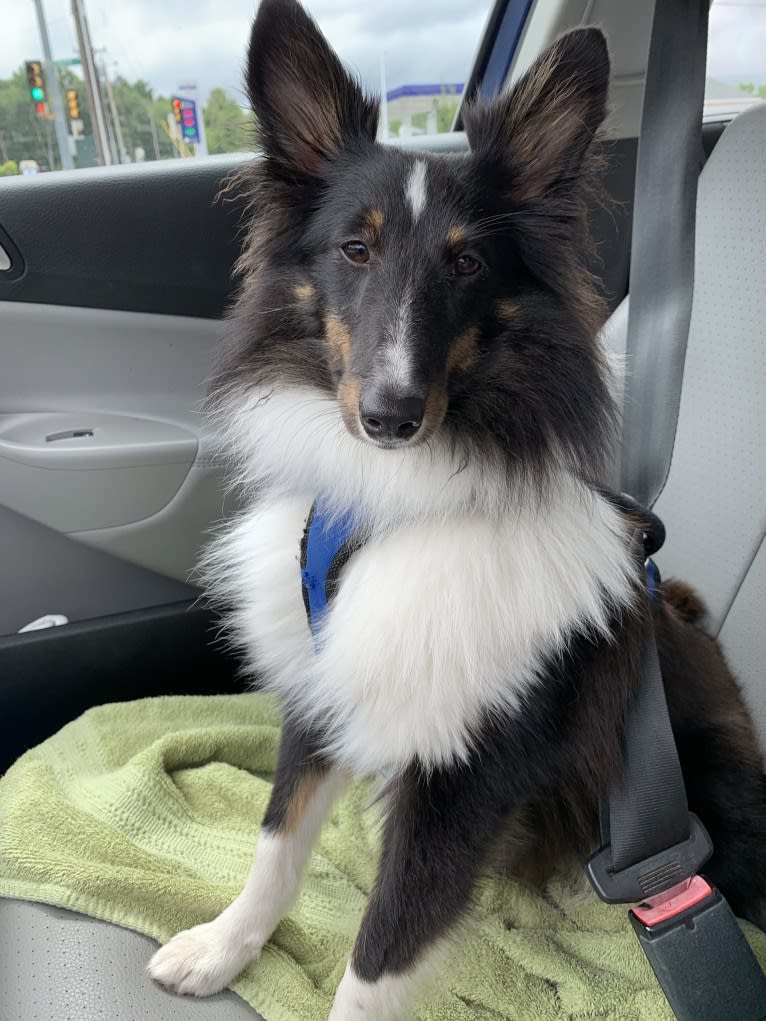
(652, 915)
(690, 936)
(653, 875)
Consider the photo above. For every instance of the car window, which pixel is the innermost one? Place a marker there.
(168, 77)
(736, 62)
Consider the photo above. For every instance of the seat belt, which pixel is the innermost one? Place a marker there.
(653, 846)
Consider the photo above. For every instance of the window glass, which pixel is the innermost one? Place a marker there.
(169, 74)
(736, 63)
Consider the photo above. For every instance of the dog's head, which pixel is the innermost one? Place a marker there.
(432, 295)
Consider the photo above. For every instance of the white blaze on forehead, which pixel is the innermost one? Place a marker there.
(415, 189)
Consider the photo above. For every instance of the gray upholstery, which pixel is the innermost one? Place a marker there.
(714, 501)
(742, 636)
(60, 966)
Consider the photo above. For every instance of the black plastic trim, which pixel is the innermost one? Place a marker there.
(48, 678)
(17, 267)
(44, 571)
(496, 50)
(140, 238)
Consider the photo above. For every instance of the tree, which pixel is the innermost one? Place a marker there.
(9, 169)
(756, 91)
(227, 127)
(143, 117)
(139, 109)
(24, 135)
(445, 115)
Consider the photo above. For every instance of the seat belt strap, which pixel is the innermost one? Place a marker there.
(662, 246)
(651, 842)
(649, 808)
(653, 846)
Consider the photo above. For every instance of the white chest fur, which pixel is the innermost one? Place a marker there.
(435, 623)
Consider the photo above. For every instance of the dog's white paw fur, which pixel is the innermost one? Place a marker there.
(387, 999)
(201, 961)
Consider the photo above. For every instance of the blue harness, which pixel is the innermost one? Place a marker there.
(329, 540)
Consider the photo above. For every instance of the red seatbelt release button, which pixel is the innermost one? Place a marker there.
(679, 898)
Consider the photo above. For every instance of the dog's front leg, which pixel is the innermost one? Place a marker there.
(437, 835)
(203, 960)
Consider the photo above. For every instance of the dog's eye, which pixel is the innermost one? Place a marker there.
(356, 251)
(466, 265)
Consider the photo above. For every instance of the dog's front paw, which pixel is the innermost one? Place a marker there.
(386, 999)
(201, 961)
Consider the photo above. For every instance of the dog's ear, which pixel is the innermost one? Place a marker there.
(308, 107)
(539, 133)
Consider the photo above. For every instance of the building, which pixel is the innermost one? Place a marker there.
(422, 109)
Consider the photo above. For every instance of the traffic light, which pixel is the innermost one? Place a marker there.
(37, 87)
(185, 113)
(73, 102)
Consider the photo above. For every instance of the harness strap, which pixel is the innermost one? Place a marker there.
(329, 540)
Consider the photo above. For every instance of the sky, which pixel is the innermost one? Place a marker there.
(166, 42)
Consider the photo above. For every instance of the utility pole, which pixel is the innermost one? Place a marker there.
(383, 127)
(52, 82)
(90, 76)
(122, 154)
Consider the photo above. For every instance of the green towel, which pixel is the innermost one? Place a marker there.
(146, 813)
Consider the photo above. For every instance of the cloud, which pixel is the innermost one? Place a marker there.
(423, 40)
(737, 41)
(181, 40)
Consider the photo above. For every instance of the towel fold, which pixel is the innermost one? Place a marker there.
(146, 814)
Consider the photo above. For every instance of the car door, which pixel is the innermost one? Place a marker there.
(113, 286)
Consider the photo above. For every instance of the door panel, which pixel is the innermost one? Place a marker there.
(45, 572)
(145, 483)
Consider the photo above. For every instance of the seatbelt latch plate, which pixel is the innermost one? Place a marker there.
(654, 875)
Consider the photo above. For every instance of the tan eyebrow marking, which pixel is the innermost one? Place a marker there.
(373, 221)
(506, 308)
(304, 292)
(456, 236)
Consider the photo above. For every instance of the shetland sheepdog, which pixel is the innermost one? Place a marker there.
(413, 350)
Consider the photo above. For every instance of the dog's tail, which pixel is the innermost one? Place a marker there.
(684, 600)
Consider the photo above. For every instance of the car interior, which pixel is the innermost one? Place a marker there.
(111, 301)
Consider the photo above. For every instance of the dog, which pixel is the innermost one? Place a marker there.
(413, 354)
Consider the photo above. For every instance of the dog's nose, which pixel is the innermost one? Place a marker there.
(388, 417)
